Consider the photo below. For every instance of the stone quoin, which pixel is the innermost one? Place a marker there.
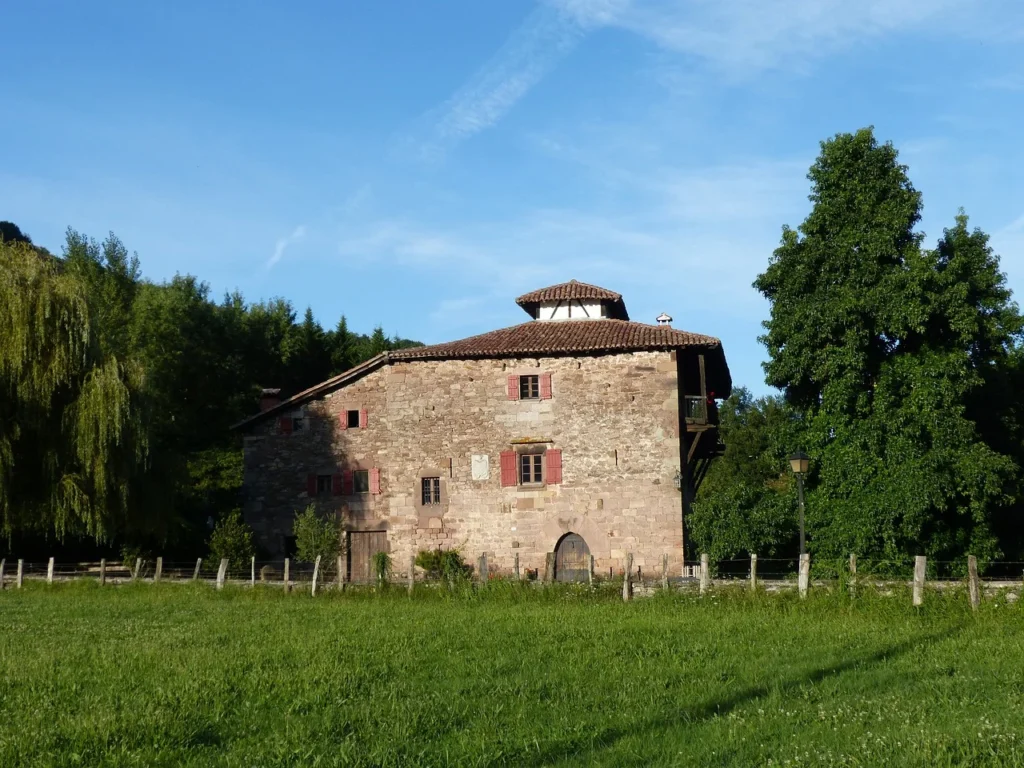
(578, 422)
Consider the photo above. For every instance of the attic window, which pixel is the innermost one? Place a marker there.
(529, 387)
(298, 424)
(353, 419)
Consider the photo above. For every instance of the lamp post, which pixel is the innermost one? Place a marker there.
(800, 462)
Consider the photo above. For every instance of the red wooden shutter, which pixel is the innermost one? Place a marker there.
(284, 425)
(508, 469)
(343, 419)
(311, 485)
(545, 386)
(362, 419)
(513, 387)
(347, 482)
(553, 457)
(375, 480)
(336, 485)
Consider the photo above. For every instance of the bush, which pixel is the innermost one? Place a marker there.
(382, 566)
(232, 539)
(316, 536)
(446, 563)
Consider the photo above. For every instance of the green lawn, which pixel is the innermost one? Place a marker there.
(147, 675)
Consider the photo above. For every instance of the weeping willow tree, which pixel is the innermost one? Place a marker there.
(71, 433)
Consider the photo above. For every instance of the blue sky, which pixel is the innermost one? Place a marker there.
(419, 165)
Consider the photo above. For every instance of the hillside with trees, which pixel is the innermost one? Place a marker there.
(117, 394)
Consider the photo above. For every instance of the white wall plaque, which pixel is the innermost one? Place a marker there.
(481, 467)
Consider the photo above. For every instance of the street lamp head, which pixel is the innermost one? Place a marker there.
(800, 462)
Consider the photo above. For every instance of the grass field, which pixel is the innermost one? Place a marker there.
(147, 675)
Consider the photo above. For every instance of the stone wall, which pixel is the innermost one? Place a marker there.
(614, 417)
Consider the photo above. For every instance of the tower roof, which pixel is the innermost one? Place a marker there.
(574, 290)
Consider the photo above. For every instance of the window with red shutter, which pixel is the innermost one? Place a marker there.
(362, 419)
(347, 482)
(284, 425)
(545, 386)
(508, 469)
(553, 468)
(513, 387)
(311, 485)
(375, 481)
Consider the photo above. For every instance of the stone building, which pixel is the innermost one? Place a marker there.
(578, 432)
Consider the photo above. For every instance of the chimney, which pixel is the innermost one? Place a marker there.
(664, 319)
(269, 398)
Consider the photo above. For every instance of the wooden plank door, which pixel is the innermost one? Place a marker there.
(572, 559)
(362, 546)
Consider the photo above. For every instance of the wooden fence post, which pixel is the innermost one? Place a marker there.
(138, 568)
(222, 573)
(3, 562)
(252, 577)
(195, 573)
(341, 573)
(103, 571)
(627, 579)
(853, 574)
(159, 570)
(21, 572)
(412, 573)
(316, 573)
(804, 578)
(549, 567)
(515, 566)
(705, 574)
(753, 573)
(590, 572)
(920, 563)
(973, 584)
(287, 582)
(49, 572)
(483, 568)
(664, 571)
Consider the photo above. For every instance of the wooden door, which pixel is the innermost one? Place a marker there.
(572, 559)
(362, 546)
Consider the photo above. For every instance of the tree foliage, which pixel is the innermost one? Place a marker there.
(898, 360)
(232, 540)
(316, 536)
(117, 394)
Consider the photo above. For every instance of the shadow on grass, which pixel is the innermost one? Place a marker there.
(583, 747)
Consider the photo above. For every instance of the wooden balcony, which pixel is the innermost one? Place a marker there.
(698, 414)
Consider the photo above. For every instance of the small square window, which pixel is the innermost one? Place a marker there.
(431, 490)
(530, 468)
(323, 484)
(361, 481)
(529, 387)
(353, 419)
(298, 424)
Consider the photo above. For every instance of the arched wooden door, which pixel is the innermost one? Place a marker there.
(572, 558)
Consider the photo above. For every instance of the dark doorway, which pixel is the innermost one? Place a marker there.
(362, 546)
(572, 558)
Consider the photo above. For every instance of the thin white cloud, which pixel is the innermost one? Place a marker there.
(283, 244)
(746, 36)
(530, 53)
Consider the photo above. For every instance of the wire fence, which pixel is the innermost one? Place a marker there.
(764, 573)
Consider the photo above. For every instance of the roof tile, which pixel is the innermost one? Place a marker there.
(561, 336)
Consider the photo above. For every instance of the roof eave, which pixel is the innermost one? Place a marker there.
(309, 394)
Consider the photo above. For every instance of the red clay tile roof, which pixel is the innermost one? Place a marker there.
(570, 290)
(561, 337)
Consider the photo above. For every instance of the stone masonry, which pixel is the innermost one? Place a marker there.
(615, 418)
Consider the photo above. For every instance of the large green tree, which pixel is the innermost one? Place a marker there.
(72, 438)
(889, 353)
